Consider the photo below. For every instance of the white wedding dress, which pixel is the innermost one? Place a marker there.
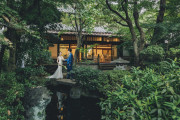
(58, 73)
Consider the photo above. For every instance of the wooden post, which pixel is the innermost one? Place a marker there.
(98, 61)
(86, 47)
(57, 49)
(82, 53)
(111, 53)
(86, 52)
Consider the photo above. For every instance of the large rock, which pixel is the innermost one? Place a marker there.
(35, 102)
(75, 92)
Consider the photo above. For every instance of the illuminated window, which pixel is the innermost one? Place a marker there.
(114, 52)
(90, 38)
(68, 37)
(64, 50)
(53, 50)
(108, 39)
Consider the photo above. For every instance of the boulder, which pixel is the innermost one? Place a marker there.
(35, 101)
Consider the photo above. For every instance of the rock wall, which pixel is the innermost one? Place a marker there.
(35, 102)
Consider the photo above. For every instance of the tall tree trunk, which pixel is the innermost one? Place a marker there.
(12, 58)
(141, 32)
(3, 47)
(79, 43)
(12, 36)
(159, 19)
(135, 42)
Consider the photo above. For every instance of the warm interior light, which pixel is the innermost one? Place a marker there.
(62, 39)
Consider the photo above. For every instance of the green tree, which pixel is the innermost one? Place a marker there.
(139, 16)
(26, 17)
(82, 19)
(125, 13)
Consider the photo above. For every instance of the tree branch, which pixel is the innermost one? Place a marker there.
(114, 11)
(72, 22)
(120, 23)
(125, 9)
(75, 15)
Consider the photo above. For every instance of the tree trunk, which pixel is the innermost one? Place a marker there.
(159, 19)
(3, 47)
(141, 32)
(79, 43)
(12, 58)
(12, 36)
(135, 42)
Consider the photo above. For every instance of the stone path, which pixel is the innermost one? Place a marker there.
(66, 81)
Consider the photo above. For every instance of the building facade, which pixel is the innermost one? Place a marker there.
(98, 46)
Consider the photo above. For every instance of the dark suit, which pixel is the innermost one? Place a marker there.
(69, 64)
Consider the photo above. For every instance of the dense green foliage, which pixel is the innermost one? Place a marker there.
(144, 95)
(97, 80)
(152, 93)
(153, 53)
(174, 53)
(11, 92)
(33, 51)
(12, 88)
(85, 76)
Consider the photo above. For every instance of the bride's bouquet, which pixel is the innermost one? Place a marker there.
(64, 67)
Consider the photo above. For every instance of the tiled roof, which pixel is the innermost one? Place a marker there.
(57, 27)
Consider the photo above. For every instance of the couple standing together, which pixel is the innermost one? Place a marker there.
(60, 59)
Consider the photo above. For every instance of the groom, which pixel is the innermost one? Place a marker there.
(69, 61)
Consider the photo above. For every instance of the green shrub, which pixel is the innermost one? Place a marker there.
(164, 67)
(107, 81)
(11, 93)
(85, 76)
(144, 95)
(174, 53)
(153, 53)
(98, 80)
(31, 76)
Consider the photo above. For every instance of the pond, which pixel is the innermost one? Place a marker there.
(84, 108)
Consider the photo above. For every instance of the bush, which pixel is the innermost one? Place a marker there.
(164, 67)
(12, 89)
(85, 76)
(174, 53)
(107, 81)
(144, 95)
(31, 76)
(97, 80)
(11, 93)
(153, 53)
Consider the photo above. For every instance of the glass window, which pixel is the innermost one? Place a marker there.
(68, 37)
(114, 52)
(64, 50)
(104, 52)
(90, 38)
(53, 50)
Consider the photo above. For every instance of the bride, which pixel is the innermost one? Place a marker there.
(58, 72)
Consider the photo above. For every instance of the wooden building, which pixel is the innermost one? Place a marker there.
(100, 44)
